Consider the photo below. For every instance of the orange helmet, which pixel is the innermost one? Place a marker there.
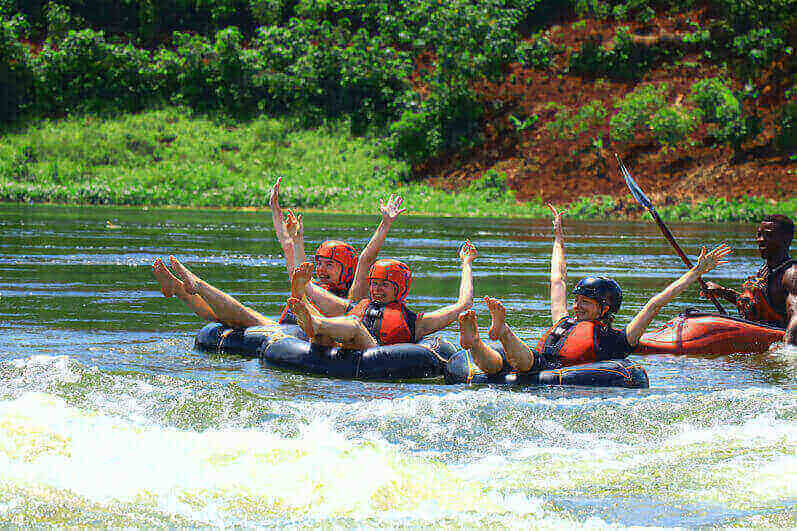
(345, 255)
(398, 273)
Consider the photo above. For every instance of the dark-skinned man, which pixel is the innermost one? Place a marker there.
(770, 296)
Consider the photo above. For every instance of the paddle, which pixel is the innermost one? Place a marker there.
(643, 200)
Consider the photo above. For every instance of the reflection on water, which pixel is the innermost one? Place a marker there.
(98, 377)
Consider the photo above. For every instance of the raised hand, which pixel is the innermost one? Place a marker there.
(709, 260)
(468, 252)
(392, 209)
(294, 225)
(274, 197)
(557, 218)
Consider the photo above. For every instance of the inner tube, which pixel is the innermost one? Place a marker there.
(610, 373)
(703, 333)
(286, 347)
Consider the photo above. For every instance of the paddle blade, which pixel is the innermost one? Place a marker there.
(636, 191)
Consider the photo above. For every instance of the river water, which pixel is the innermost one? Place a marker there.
(109, 417)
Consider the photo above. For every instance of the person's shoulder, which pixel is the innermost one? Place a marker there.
(790, 277)
(621, 336)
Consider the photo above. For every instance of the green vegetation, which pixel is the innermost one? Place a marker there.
(169, 157)
(569, 125)
(356, 93)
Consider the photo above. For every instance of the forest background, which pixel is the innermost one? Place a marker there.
(465, 107)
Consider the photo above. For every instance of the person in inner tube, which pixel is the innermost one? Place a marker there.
(381, 319)
(587, 336)
(338, 269)
(770, 296)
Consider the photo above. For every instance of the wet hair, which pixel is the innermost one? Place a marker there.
(783, 226)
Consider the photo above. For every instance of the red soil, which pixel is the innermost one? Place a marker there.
(538, 164)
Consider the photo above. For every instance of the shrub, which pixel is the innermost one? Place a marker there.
(266, 12)
(233, 77)
(718, 105)
(636, 110)
(570, 125)
(626, 59)
(537, 53)
(16, 73)
(86, 72)
(491, 186)
(786, 138)
(671, 124)
(447, 119)
(757, 48)
(744, 15)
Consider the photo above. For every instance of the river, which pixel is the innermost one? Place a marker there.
(108, 416)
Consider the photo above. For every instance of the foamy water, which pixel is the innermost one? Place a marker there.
(76, 440)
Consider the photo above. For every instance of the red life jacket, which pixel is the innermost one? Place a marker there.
(388, 324)
(753, 303)
(571, 342)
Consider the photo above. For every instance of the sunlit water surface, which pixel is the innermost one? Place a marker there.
(109, 417)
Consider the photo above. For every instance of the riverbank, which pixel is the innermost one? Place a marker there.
(173, 157)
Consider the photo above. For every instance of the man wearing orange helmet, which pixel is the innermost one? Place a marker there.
(337, 267)
(381, 319)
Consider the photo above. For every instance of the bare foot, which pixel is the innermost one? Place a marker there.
(468, 331)
(189, 279)
(303, 317)
(301, 276)
(498, 316)
(169, 283)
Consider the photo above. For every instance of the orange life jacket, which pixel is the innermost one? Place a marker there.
(753, 303)
(388, 324)
(571, 342)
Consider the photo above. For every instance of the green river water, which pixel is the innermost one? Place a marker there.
(108, 416)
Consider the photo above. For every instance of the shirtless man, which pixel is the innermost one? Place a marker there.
(769, 297)
(334, 269)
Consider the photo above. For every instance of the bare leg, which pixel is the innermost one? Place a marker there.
(517, 352)
(485, 357)
(171, 285)
(303, 317)
(347, 330)
(227, 309)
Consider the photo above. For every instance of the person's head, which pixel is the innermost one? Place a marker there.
(389, 280)
(774, 236)
(597, 298)
(335, 263)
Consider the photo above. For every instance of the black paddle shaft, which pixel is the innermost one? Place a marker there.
(667, 234)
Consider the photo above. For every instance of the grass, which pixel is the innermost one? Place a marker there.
(170, 157)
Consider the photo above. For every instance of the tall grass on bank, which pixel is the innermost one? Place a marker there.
(169, 157)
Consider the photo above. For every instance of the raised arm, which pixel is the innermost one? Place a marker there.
(705, 263)
(790, 282)
(390, 211)
(295, 227)
(439, 319)
(279, 227)
(558, 269)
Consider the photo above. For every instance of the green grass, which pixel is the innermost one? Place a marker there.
(171, 157)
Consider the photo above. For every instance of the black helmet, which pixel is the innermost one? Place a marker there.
(602, 289)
